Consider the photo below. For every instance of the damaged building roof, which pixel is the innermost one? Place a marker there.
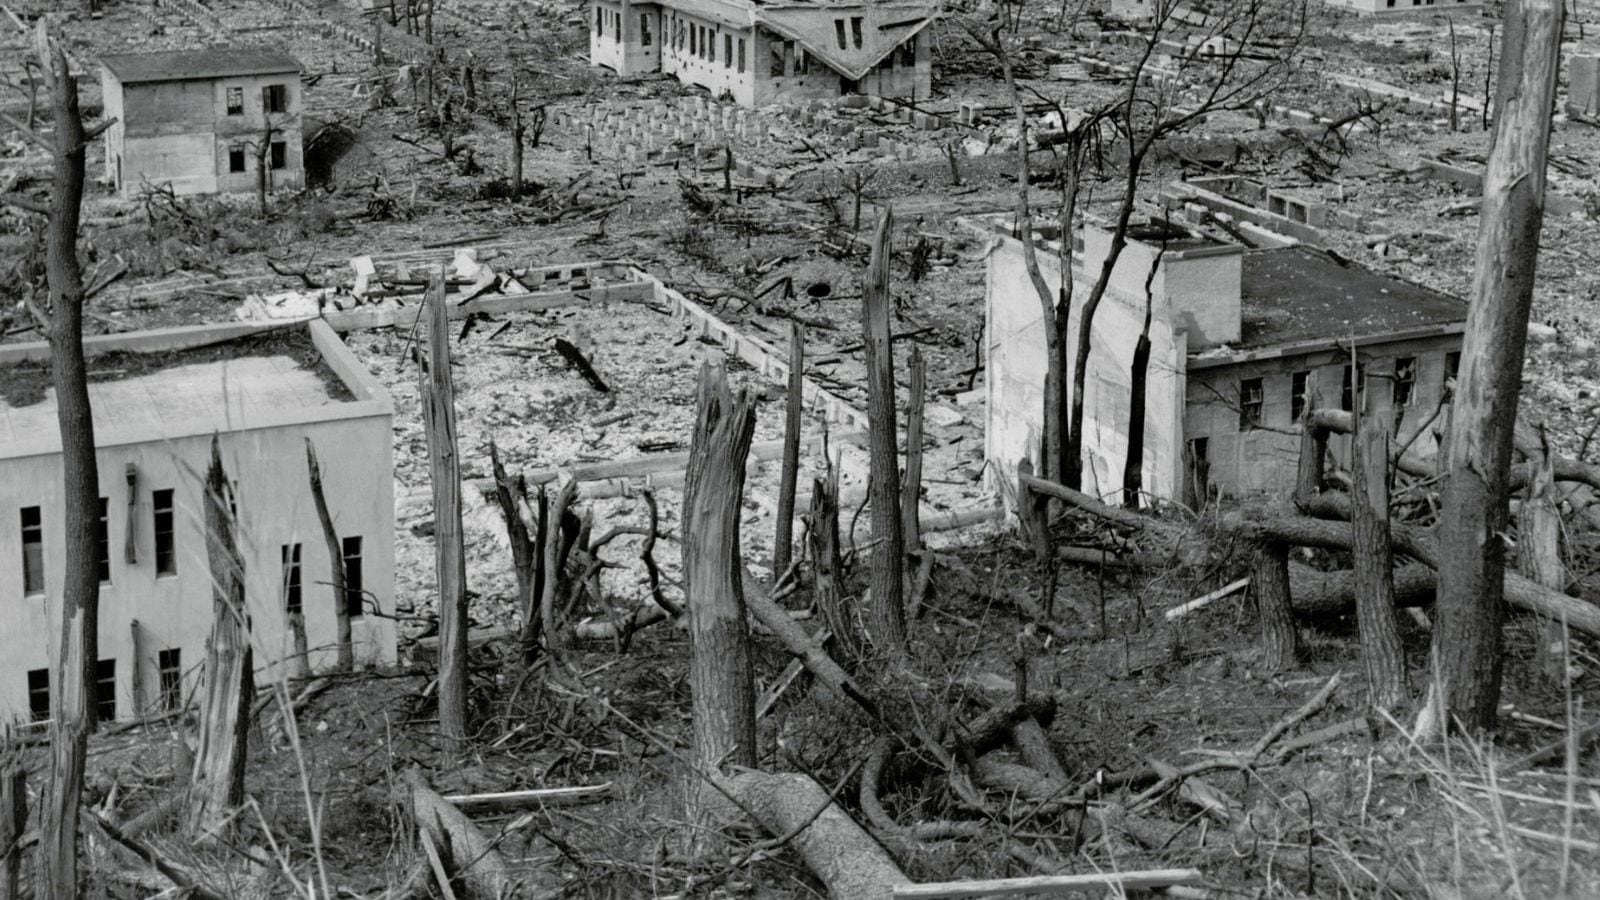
(192, 65)
(1297, 294)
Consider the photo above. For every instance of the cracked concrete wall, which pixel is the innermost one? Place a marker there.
(1014, 348)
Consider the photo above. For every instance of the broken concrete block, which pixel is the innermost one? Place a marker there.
(1540, 333)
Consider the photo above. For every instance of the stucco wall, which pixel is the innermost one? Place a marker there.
(620, 46)
(1016, 365)
(720, 74)
(1383, 7)
(1264, 459)
(1201, 285)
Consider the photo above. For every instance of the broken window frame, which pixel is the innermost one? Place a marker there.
(1347, 397)
(161, 526)
(838, 33)
(644, 30)
(777, 65)
(234, 98)
(105, 690)
(1405, 381)
(1452, 370)
(275, 98)
(908, 52)
(1252, 399)
(1299, 389)
(856, 36)
(802, 61)
(39, 694)
(169, 678)
(293, 589)
(32, 551)
(278, 155)
(102, 538)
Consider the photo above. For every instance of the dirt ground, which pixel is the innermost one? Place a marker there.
(1361, 813)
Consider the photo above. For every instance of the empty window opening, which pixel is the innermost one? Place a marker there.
(838, 32)
(32, 551)
(39, 694)
(166, 553)
(1452, 368)
(855, 31)
(280, 154)
(353, 596)
(775, 66)
(102, 536)
(1405, 379)
(600, 20)
(235, 159)
(1251, 398)
(727, 51)
(908, 52)
(741, 56)
(236, 101)
(802, 61)
(1298, 383)
(169, 670)
(1347, 386)
(292, 601)
(105, 690)
(644, 29)
(275, 98)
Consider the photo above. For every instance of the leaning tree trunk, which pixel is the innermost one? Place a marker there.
(439, 420)
(1467, 637)
(71, 700)
(720, 678)
(885, 616)
(1382, 654)
(341, 590)
(218, 782)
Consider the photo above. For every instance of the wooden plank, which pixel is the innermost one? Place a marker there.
(1050, 884)
(508, 801)
(363, 319)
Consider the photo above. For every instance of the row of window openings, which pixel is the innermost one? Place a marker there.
(277, 156)
(274, 99)
(169, 667)
(166, 557)
(1390, 3)
(1252, 391)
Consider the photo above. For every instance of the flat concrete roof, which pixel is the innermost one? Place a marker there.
(1296, 294)
(191, 65)
(143, 391)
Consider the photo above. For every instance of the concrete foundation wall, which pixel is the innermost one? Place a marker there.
(175, 611)
(1015, 355)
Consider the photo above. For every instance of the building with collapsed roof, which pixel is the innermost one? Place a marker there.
(763, 53)
(158, 399)
(1242, 340)
(210, 121)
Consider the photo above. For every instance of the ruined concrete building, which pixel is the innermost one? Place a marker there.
(1401, 7)
(1242, 341)
(763, 53)
(262, 391)
(203, 121)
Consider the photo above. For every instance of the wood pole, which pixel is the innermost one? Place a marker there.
(911, 490)
(885, 615)
(1382, 653)
(783, 540)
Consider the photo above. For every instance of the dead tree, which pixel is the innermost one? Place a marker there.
(1382, 654)
(911, 488)
(518, 129)
(1269, 585)
(71, 697)
(218, 778)
(885, 615)
(833, 601)
(437, 391)
(1467, 636)
(1139, 389)
(783, 539)
(264, 165)
(720, 676)
(13, 822)
(524, 548)
(1539, 557)
(341, 589)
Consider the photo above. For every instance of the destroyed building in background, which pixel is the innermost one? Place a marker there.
(1241, 341)
(262, 391)
(761, 53)
(203, 121)
(1404, 7)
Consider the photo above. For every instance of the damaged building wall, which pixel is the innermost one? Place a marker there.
(171, 597)
(1015, 357)
(714, 51)
(626, 37)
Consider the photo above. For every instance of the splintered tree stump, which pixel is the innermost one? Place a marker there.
(783, 536)
(218, 780)
(720, 672)
(1269, 585)
(885, 614)
(1382, 654)
(468, 855)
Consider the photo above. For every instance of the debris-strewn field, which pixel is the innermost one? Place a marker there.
(1169, 742)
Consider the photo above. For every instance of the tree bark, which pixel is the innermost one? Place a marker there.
(1138, 387)
(218, 780)
(1313, 453)
(1467, 636)
(1269, 584)
(911, 489)
(518, 129)
(783, 538)
(437, 391)
(13, 822)
(885, 617)
(1382, 654)
(72, 696)
(470, 855)
(720, 674)
(839, 852)
(833, 602)
(341, 589)
(1539, 558)
(524, 549)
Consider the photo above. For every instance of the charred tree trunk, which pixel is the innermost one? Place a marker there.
(833, 602)
(518, 130)
(330, 537)
(1269, 585)
(218, 779)
(1382, 654)
(524, 549)
(1467, 638)
(720, 675)
(885, 617)
(264, 167)
(437, 392)
(911, 490)
(71, 697)
(1138, 387)
(554, 533)
(783, 539)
